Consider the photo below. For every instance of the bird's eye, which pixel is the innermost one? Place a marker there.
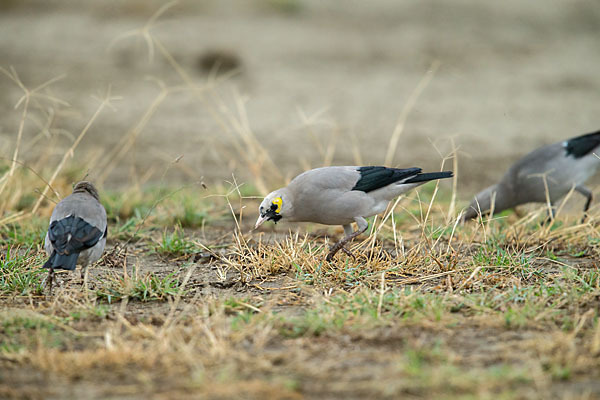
(276, 204)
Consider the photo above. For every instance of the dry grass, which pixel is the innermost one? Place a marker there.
(427, 308)
(188, 303)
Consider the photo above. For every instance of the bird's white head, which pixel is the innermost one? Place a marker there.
(274, 207)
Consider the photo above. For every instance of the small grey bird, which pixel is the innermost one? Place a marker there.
(564, 166)
(341, 196)
(77, 232)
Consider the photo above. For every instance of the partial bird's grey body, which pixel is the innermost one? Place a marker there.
(341, 196)
(77, 232)
(334, 186)
(548, 166)
(546, 174)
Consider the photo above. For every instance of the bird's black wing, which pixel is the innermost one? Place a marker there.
(429, 176)
(373, 178)
(73, 235)
(582, 145)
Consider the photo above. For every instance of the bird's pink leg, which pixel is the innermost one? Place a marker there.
(341, 245)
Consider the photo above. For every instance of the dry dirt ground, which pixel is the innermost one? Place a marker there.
(512, 75)
(256, 91)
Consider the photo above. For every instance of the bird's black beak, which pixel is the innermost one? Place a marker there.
(269, 215)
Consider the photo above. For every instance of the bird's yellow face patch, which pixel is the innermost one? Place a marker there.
(278, 203)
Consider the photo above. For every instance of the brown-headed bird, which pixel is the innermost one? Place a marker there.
(77, 232)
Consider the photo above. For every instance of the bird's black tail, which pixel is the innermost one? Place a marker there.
(59, 261)
(430, 176)
(582, 145)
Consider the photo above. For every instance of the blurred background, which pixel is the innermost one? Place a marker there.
(264, 89)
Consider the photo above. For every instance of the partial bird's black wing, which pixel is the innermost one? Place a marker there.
(73, 235)
(582, 145)
(373, 178)
(429, 176)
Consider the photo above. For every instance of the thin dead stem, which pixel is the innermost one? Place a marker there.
(70, 152)
(25, 99)
(406, 110)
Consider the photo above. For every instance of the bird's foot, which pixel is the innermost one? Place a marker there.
(330, 255)
(49, 281)
(548, 221)
(333, 250)
(348, 252)
(341, 245)
(584, 218)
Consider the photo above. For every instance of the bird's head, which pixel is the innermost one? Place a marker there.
(86, 187)
(274, 207)
(494, 197)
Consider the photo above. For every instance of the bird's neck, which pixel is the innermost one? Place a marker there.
(504, 198)
(92, 193)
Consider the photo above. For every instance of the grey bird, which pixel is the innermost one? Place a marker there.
(77, 232)
(341, 196)
(546, 174)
